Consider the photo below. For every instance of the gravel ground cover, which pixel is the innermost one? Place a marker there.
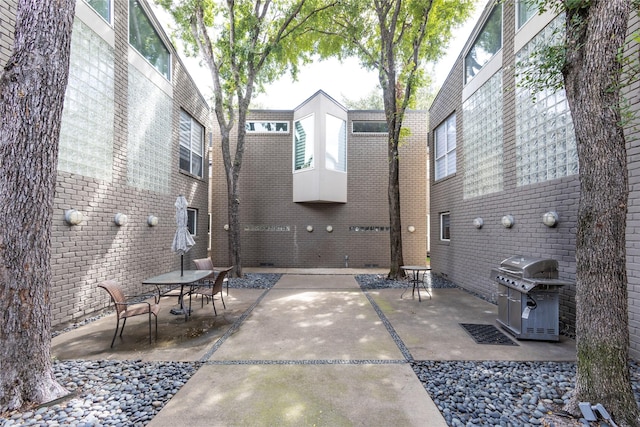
(501, 393)
(378, 281)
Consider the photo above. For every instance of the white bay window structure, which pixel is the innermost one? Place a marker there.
(320, 151)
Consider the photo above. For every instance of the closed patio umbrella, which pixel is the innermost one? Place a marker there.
(182, 240)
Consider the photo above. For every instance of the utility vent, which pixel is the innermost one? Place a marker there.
(266, 264)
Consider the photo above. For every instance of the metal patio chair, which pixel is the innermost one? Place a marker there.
(125, 309)
(210, 289)
(207, 264)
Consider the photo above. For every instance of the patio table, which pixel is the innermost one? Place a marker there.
(175, 278)
(415, 279)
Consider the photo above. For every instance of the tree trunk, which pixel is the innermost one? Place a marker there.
(395, 233)
(595, 33)
(32, 89)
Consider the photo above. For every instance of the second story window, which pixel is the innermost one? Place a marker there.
(336, 143)
(525, 11)
(145, 39)
(445, 147)
(486, 45)
(191, 141)
(103, 7)
(303, 143)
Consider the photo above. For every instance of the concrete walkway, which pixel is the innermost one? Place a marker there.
(315, 350)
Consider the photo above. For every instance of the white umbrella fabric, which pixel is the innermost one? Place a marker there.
(182, 240)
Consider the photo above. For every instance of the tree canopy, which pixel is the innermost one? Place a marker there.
(395, 38)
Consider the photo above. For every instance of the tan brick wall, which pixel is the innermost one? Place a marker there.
(266, 199)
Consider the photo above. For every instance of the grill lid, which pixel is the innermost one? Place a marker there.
(530, 268)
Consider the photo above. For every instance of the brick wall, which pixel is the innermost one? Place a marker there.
(98, 249)
(631, 94)
(471, 253)
(266, 196)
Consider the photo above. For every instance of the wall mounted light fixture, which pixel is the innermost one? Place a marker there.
(120, 219)
(152, 220)
(309, 228)
(411, 229)
(329, 229)
(507, 221)
(550, 219)
(478, 223)
(73, 217)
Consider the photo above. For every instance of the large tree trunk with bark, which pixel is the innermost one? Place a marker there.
(595, 33)
(32, 89)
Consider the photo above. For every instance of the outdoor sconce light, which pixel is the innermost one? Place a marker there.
(550, 219)
(152, 220)
(226, 227)
(309, 228)
(329, 229)
(73, 217)
(411, 229)
(479, 222)
(120, 219)
(507, 221)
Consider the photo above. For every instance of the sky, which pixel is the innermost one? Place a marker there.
(338, 80)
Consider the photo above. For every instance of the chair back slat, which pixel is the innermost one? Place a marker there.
(203, 264)
(217, 285)
(117, 296)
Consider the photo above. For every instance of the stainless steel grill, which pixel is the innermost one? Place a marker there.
(528, 297)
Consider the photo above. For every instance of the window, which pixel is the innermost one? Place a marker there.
(303, 143)
(445, 226)
(487, 44)
(482, 133)
(267, 127)
(545, 137)
(144, 38)
(191, 141)
(525, 11)
(370, 126)
(445, 144)
(192, 220)
(103, 7)
(336, 144)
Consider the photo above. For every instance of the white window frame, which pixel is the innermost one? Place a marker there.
(444, 238)
(467, 77)
(108, 19)
(192, 221)
(335, 143)
(262, 126)
(168, 74)
(524, 4)
(309, 140)
(450, 147)
(191, 141)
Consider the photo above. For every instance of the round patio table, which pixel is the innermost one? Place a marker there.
(415, 280)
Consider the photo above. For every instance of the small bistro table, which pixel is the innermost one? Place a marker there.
(415, 280)
(174, 278)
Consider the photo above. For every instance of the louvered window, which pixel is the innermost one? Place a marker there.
(191, 141)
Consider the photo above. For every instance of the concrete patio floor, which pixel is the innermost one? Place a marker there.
(313, 350)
